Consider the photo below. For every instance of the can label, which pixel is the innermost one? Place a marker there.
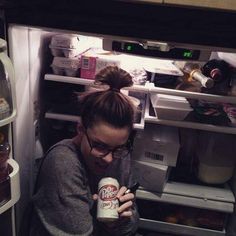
(107, 201)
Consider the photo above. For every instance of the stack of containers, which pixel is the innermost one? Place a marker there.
(155, 151)
(66, 51)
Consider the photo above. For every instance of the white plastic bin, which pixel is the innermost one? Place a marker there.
(168, 107)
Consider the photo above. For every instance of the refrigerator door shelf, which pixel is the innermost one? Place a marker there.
(9, 119)
(15, 186)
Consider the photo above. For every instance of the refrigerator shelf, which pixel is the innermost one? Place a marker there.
(88, 82)
(9, 119)
(148, 88)
(177, 229)
(14, 185)
(211, 198)
(64, 117)
(187, 124)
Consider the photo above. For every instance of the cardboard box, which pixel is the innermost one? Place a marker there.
(151, 176)
(157, 144)
(93, 60)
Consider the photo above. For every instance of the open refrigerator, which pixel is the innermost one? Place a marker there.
(178, 194)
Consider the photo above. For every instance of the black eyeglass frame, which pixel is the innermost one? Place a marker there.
(128, 145)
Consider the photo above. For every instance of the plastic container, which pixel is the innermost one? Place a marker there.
(66, 45)
(7, 93)
(157, 144)
(216, 155)
(67, 66)
(146, 172)
(65, 41)
(169, 107)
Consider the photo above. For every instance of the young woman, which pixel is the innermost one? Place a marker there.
(65, 200)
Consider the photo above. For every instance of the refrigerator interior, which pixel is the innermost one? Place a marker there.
(46, 113)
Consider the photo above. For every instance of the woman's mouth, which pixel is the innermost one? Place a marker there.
(101, 166)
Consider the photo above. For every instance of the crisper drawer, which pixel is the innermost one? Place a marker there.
(181, 220)
(177, 229)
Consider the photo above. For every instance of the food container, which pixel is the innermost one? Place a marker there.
(170, 107)
(162, 73)
(157, 144)
(69, 41)
(216, 156)
(67, 66)
(146, 174)
(94, 60)
(66, 52)
(65, 45)
(4, 108)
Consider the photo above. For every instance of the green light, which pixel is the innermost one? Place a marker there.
(188, 54)
(129, 48)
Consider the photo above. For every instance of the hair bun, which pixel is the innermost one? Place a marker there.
(115, 77)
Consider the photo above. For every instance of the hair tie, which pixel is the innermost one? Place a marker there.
(115, 90)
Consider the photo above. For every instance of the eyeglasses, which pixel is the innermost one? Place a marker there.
(101, 150)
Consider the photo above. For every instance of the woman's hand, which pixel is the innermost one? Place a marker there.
(126, 202)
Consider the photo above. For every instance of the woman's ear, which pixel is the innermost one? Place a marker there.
(80, 129)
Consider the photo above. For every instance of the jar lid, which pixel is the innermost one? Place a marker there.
(3, 45)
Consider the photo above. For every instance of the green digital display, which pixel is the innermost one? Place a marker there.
(129, 47)
(187, 54)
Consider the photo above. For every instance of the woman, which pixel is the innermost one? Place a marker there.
(65, 199)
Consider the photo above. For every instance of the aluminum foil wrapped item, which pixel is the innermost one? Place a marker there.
(139, 75)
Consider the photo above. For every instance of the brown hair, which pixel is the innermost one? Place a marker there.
(109, 105)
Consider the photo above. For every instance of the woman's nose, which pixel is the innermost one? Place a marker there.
(108, 158)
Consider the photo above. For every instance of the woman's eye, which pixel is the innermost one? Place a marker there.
(99, 147)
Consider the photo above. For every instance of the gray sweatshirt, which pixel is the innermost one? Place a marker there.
(63, 204)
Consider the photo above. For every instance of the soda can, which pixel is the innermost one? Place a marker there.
(107, 204)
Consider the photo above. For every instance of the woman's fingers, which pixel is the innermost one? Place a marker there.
(126, 197)
(95, 197)
(121, 192)
(126, 214)
(125, 207)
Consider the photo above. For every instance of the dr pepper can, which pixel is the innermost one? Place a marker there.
(107, 202)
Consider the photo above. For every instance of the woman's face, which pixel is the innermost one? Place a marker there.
(98, 142)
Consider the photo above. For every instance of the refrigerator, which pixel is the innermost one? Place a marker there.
(144, 36)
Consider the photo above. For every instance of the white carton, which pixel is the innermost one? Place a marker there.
(151, 176)
(157, 144)
(94, 60)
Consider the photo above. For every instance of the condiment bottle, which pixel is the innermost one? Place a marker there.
(218, 70)
(195, 74)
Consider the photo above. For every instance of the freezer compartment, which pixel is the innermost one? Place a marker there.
(182, 220)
